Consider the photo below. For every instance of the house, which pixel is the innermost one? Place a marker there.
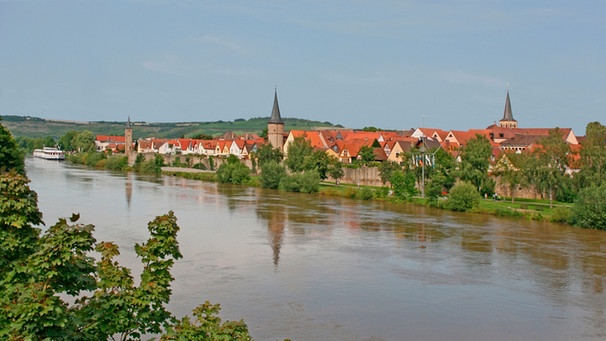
(109, 142)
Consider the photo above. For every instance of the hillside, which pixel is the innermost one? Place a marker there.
(34, 127)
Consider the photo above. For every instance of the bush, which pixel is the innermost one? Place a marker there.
(199, 165)
(507, 212)
(306, 182)
(561, 215)
(589, 210)
(366, 194)
(403, 184)
(116, 162)
(233, 171)
(463, 197)
(271, 174)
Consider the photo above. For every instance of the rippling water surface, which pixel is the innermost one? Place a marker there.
(316, 268)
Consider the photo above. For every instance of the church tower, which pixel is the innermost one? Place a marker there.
(508, 121)
(275, 126)
(128, 143)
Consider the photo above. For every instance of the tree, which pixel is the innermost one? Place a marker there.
(475, 160)
(304, 182)
(66, 141)
(463, 197)
(550, 164)
(403, 184)
(319, 161)
(10, 155)
(233, 171)
(84, 141)
(593, 157)
(271, 175)
(386, 169)
(510, 168)
(366, 155)
(589, 209)
(298, 150)
(266, 153)
(335, 170)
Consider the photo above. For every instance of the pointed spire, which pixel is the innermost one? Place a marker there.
(275, 112)
(507, 114)
(508, 121)
(128, 126)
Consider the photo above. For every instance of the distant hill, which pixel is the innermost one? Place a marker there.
(34, 127)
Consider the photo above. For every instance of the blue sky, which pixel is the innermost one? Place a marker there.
(388, 64)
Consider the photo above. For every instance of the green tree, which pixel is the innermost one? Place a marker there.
(589, 209)
(84, 141)
(319, 161)
(550, 164)
(403, 184)
(510, 169)
(335, 170)
(271, 175)
(304, 182)
(444, 167)
(593, 157)
(366, 155)
(463, 197)
(66, 141)
(475, 160)
(266, 153)
(232, 171)
(298, 150)
(10, 155)
(386, 170)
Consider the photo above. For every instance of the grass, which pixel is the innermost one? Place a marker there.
(532, 209)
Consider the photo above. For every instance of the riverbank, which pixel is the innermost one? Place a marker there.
(530, 209)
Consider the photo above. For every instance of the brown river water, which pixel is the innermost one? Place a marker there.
(307, 267)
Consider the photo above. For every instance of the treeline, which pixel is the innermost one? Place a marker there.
(34, 127)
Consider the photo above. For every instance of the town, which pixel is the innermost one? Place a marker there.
(505, 137)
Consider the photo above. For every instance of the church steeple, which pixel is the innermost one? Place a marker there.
(275, 112)
(508, 121)
(275, 126)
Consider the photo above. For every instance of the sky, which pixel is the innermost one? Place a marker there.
(387, 64)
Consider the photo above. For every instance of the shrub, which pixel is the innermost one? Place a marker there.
(116, 162)
(306, 182)
(366, 194)
(463, 197)
(561, 215)
(233, 171)
(403, 184)
(271, 174)
(589, 210)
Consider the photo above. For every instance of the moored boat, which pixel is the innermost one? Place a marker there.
(49, 153)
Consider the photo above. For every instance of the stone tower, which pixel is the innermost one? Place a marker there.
(275, 126)
(508, 121)
(129, 149)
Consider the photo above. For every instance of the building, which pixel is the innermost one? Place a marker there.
(275, 126)
(508, 121)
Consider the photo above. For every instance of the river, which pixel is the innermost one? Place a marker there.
(308, 267)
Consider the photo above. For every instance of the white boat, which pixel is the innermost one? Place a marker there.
(49, 153)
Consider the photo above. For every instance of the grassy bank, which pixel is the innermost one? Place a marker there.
(531, 209)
